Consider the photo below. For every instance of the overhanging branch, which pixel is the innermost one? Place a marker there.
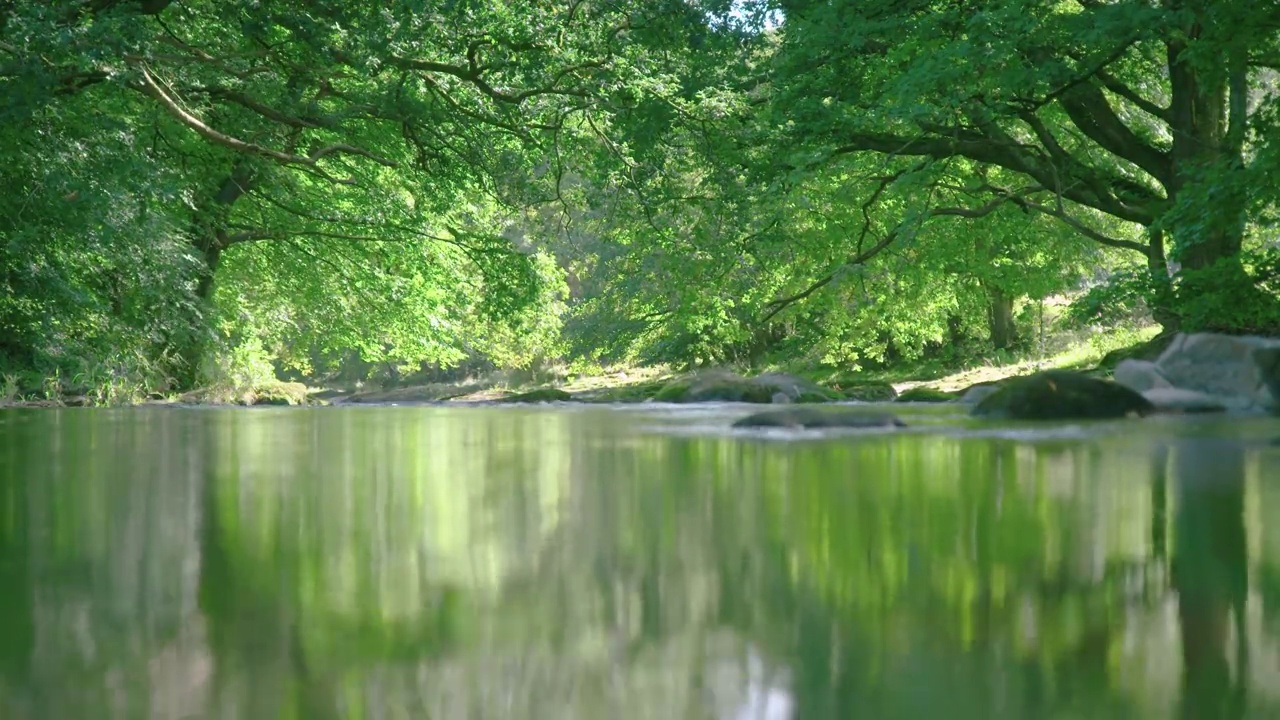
(201, 128)
(862, 256)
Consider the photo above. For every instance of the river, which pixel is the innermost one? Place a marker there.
(571, 562)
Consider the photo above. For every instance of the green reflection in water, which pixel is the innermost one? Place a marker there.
(503, 563)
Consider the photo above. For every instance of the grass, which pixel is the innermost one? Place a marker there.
(1082, 351)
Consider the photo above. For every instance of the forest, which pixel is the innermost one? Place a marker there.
(202, 193)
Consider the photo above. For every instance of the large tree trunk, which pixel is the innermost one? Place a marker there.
(1205, 138)
(1000, 325)
(209, 239)
(1163, 310)
(1208, 118)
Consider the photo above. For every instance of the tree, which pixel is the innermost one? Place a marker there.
(1158, 114)
(316, 127)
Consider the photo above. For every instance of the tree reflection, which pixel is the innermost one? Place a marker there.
(524, 565)
(1210, 575)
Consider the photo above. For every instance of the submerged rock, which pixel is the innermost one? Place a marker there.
(818, 418)
(1061, 395)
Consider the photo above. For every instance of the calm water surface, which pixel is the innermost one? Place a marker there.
(474, 563)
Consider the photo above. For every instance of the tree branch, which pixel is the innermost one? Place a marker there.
(1113, 84)
(239, 98)
(862, 256)
(1089, 111)
(1002, 151)
(204, 130)
(474, 75)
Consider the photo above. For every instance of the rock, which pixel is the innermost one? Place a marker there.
(924, 394)
(1140, 375)
(725, 386)
(632, 393)
(1237, 370)
(434, 392)
(1149, 350)
(1061, 395)
(1267, 360)
(1211, 363)
(1177, 400)
(277, 393)
(975, 394)
(539, 395)
(818, 418)
(796, 388)
(869, 392)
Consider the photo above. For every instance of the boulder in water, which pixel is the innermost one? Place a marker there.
(1061, 395)
(1140, 375)
(1177, 400)
(975, 393)
(723, 386)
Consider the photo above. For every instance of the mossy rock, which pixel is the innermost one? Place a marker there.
(975, 393)
(633, 393)
(724, 386)
(1149, 350)
(1061, 395)
(922, 394)
(539, 395)
(277, 393)
(818, 418)
(869, 392)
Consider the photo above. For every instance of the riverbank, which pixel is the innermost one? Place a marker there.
(1096, 354)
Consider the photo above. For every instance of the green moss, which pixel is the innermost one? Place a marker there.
(634, 393)
(1061, 395)
(865, 391)
(539, 395)
(926, 395)
(674, 391)
(277, 393)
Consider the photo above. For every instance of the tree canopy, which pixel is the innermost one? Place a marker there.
(199, 187)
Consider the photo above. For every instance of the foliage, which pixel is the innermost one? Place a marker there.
(341, 175)
(216, 192)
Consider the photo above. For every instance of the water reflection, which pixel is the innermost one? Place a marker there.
(405, 563)
(1211, 576)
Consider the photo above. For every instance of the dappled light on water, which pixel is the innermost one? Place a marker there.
(539, 563)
